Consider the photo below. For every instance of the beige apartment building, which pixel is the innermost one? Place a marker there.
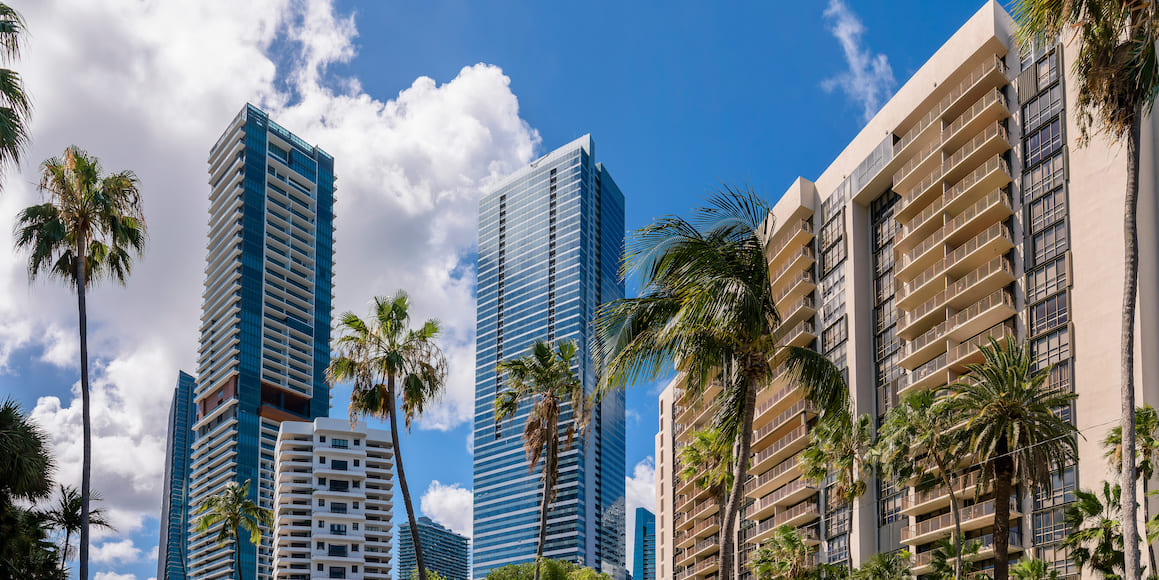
(964, 209)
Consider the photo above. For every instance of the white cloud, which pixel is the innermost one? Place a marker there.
(123, 552)
(640, 490)
(631, 415)
(150, 86)
(61, 346)
(449, 505)
(868, 81)
(114, 576)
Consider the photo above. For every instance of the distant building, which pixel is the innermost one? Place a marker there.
(644, 559)
(444, 551)
(175, 499)
(332, 501)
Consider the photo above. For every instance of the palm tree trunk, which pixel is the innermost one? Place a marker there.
(548, 483)
(1003, 479)
(237, 554)
(64, 554)
(740, 474)
(1130, 288)
(955, 509)
(410, 513)
(1146, 518)
(86, 420)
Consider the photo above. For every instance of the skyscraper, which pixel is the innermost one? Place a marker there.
(174, 500)
(966, 209)
(444, 551)
(550, 242)
(644, 552)
(265, 322)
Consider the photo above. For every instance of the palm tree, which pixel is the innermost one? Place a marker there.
(783, 557)
(65, 516)
(841, 446)
(14, 104)
(1147, 449)
(25, 466)
(885, 566)
(1116, 71)
(1095, 537)
(89, 228)
(1012, 428)
(706, 305)
(235, 512)
(707, 459)
(961, 553)
(26, 551)
(1033, 569)
(544, 382)
(918, 438)
(387, 359)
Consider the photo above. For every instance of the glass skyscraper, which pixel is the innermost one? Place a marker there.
(265, 322)
(644, 552)
(174, 500)
(550, 242)
(444, 551)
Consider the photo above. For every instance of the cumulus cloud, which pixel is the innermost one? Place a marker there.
(868, 80)
(150, 86)
(449, 505)
(123, 552)
(640, 491)
(114, 576)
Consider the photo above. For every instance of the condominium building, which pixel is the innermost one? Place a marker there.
(172, 547)
(550, 241)
(965, 209)
(265, 321)
(444, 551)
(644, 552)
(333, 505)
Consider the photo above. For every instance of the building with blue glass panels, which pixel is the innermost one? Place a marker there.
(265, 322)
(550, 242)
(644, 552)
(444, 551)
(174, 500)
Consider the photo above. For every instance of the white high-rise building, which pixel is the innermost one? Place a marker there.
(333, 505)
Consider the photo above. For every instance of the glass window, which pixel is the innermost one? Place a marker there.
(834, 335)
(1051, 348)
(1043, 142)
(1058, 560)
(1047, 280)
(1050, 243)
(1043, 178)
(1049, 526)
(891, 509)
(832, 257)
(1047, 209)
(1042, 108)
(1047, 71)
(833, 230)
(1048, 314)
(1062, 487)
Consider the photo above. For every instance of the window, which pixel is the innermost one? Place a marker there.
(321, 568)
(355, 505)
(1049, 526)
(321, 502)
(1042, 108)
(1043, 178)
(1050, 243)
(355, 525)
(356, 443)
(834, 335)
(891, 509)
(1051, 348)
(1062, 486)
(838, 549)
(1058, 560)
(1047, 209)
(833, 256)
(1046, 281)
(321, 438)
(321, 460)
(321, 545)
(1040, 144)
(1048, 314)
(355, 463)
(339, 444)
(832, 232)
(1047, 70)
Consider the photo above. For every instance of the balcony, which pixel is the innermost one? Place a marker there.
(992, 141)
(920, 226)
(921, 256)
(796, 286)
(977, 516)
(918, 166)
(771, 399)
(967, 352)
(760, 532)
(706, 527)
(923, 563)
(922, 194)
(921, 131)
(798, 260)
(995, 274)
(797, 515)
(766, 420)
(930, 374)
(988, 109)
(800, 335)
(788, 444)
(706, 567)
(987, 75)
(784, 472)
(994, 174)
(793, 493)
(993, 208)
(684, 557)
(983, 314)
(993, 242)
(706, 546)
(937, 497)
(924, 317)
(796, 233)
(924, 286)
(923, 348)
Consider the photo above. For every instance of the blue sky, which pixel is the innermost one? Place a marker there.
(677, 97)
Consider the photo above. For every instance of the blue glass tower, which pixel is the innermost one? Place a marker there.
(550, 241)
(644, 554)
(174, 500)
(444, 551)
(265, 322)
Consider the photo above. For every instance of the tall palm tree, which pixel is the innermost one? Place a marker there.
(89, 229)
(544, 382)
(1013, 429)
(1095, 530)
(1116, 71)
(14, 104)
(784, 556)
(707, 458)
(65, 515)
(386, 359)
(1147, 449)
(706, 305)
(918, 438)
(235, 512)
(25, 466)
(885, 566)
(841, 446)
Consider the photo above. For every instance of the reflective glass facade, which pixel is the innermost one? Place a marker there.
(265, 323)
(174, 500)
(444, 551)
(644, 553)
(550, 241)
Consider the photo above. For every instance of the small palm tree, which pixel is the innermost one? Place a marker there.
(1116, 70)
(1012, 428)
(65, 516)
(841, 446)
(950, 558)
(1147, 449)
(1033, 569)
(25, 466)
(885, 566)
(544, 382)
(784, 556)
(235, 512)
(89, 229)
(1095, 537)
(918, 437)
(14, 104)
(707, 458)
(706, 306)
(386, 359)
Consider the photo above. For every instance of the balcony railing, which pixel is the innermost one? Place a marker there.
(994, 164)
(927, 338)
(1001, 263)
(928, 244)
(919, 220)
(994, 130)
(781, 443)
(937, 269)
(995, 299)
(918, 190)
(782, 239)
(993, 198)
(925, 308)
(805, 251)
(990, 98)
(917, 160)
(781, 469)
(806, 276)
(976, 511)
(803, 508)
(998, 230)
(997, 331)
(961, 484)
